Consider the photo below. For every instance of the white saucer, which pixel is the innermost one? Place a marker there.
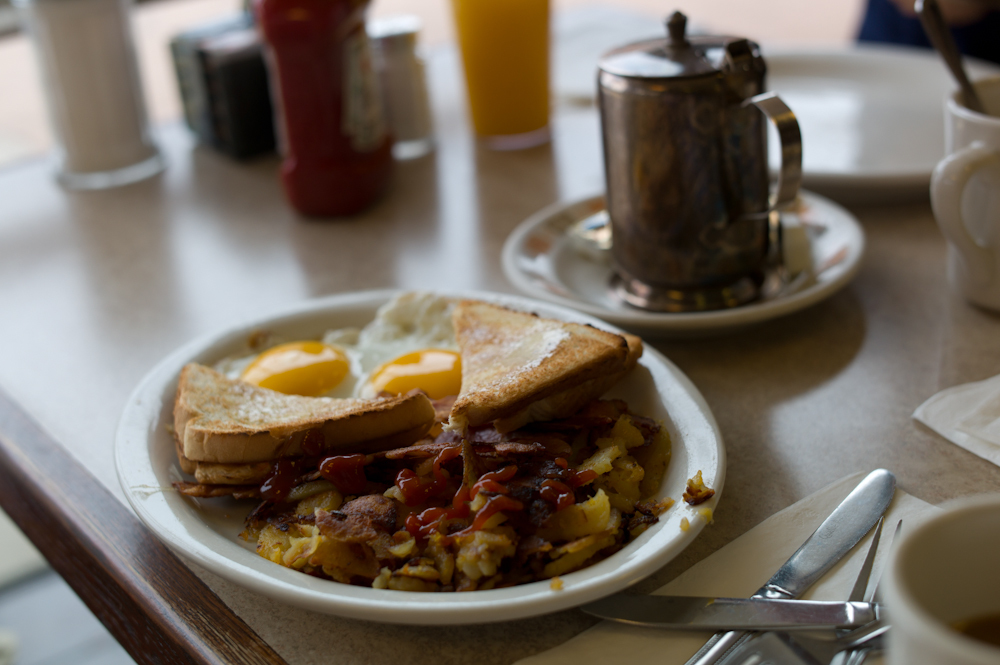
(540, 260)
(872, 116)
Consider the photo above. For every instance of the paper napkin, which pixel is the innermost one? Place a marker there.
(738, 570)
(967, 415)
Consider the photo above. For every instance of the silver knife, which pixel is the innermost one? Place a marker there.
(692, 613)
(834, 538)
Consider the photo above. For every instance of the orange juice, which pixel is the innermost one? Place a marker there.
(505, 51)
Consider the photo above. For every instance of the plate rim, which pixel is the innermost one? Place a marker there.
(685, 322)
(181, 531)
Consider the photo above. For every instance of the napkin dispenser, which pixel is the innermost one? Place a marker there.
(224, 87)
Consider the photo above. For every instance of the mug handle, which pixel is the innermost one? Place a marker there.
(790, 172)
(947, 185)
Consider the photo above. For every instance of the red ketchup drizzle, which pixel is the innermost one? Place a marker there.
(280, 480)
(416, 491)
(488, 482)
(494, 504)
(347, 472)
(558, 493)
(575, 478)
(462, 496)
(445, 455)
(313, 443)
(428, 521)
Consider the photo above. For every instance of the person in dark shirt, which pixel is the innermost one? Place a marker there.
(975, 25)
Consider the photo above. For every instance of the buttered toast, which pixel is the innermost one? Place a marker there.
(218, 420)
(519, 368)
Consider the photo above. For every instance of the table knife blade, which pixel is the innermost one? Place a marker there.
(845, 526)
(697, 613)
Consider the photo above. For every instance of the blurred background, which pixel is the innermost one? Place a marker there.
(25, 132)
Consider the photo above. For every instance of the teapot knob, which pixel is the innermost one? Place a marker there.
(676, 28)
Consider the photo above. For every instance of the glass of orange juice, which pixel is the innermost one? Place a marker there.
(505, 52)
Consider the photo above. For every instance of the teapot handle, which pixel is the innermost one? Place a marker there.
(790, 173)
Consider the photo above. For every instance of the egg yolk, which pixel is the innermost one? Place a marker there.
(299, 368)
(435, 371)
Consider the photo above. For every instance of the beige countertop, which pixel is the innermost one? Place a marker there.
(96, 287)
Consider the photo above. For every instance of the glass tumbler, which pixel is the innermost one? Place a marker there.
(91, 81)
(505, 54)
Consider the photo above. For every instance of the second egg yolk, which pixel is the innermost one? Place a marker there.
(299, 368)
(435, 371)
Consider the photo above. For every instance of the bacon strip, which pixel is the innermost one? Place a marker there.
(201, 491)
(487, 451)
(570, 424)
(420, 450)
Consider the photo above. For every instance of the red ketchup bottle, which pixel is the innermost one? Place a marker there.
(337, 154)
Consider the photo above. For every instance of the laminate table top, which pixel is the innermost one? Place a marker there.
(96, 287)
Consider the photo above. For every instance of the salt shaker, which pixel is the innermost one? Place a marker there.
(403, 83)
(91, 82)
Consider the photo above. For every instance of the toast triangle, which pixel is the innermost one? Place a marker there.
(513, 361)
(223, 420)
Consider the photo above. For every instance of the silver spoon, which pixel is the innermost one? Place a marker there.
(937, 31)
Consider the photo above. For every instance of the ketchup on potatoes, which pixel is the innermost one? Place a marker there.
(337, 154)
(346, 472)
(425, 523)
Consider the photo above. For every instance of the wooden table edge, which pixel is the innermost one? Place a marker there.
(148, 599)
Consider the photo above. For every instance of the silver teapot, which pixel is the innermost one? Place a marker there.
(685, 152)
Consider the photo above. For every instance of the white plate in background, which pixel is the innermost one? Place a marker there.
(872, 116)
(205, 531)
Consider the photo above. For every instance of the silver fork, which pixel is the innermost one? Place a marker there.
(852, 647)
(859, 655)
(783, 649)
(858, 593)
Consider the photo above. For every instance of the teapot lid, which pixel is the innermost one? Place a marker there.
(675, 57)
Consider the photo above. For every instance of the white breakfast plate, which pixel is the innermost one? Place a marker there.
(206, 531)
(539, 258)
(872, 117)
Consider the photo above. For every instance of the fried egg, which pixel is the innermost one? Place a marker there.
(409, 344)
(299, 368)
(438, 372)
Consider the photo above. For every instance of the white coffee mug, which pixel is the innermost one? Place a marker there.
(944, 571)
(965, 194)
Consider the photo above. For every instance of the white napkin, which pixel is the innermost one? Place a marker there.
(738, 570)
(967, 415)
